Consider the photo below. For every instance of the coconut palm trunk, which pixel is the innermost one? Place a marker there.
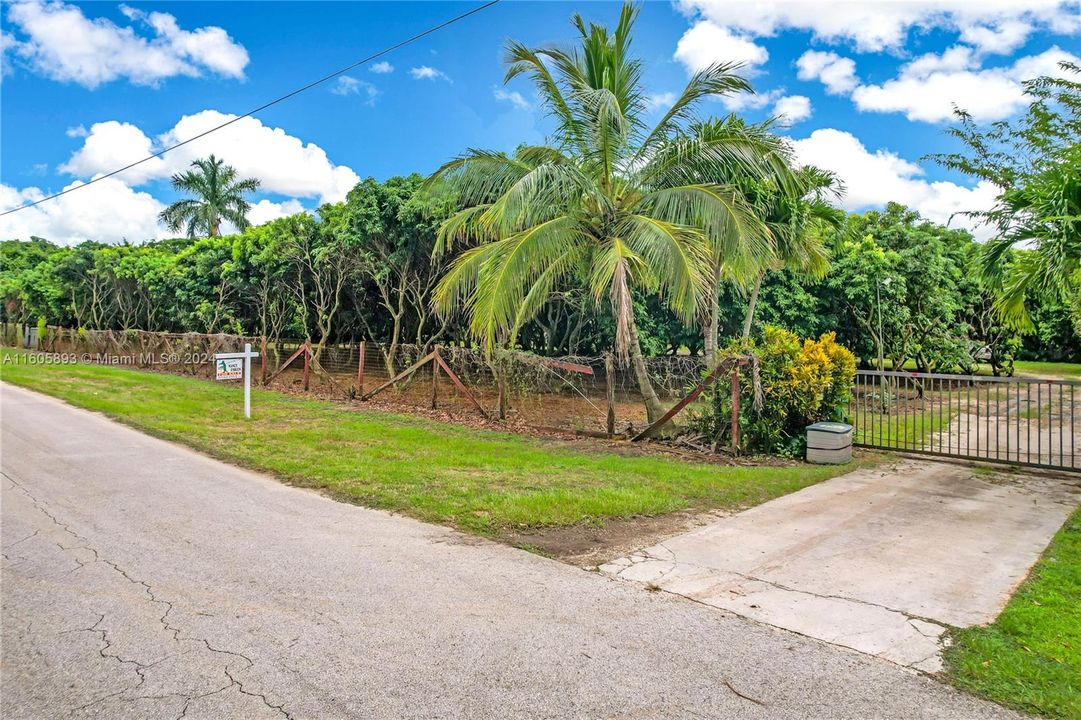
(610, 205)
(751, 302)
(654, 408)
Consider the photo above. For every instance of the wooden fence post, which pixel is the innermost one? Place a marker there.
(307, 364)
(501, 383)
(435, 377)
(610, 390)
(262, 360)
(735, 410)
(360, 368)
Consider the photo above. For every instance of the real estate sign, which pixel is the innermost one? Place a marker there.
(229, 368)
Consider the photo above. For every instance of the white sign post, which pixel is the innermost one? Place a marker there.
(229, 366)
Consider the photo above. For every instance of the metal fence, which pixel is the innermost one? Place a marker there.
(569, 394)
(1020, 421)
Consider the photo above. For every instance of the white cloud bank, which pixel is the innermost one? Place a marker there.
(927, 88)
(108, 211)
(58, 41)
(874, 178)
(998, 26)
(283, 163)
(114, 209)
(930, 86)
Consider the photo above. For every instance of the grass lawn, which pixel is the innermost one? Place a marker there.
(1022, 368)
(1030, 657)
(480, 481)
(1060, 370)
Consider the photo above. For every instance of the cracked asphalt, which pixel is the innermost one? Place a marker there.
(143, 580)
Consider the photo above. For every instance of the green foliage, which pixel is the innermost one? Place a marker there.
(610, 204)
(1035, 162)
(801, 383)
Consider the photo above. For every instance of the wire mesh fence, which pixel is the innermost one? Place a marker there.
(589, 395)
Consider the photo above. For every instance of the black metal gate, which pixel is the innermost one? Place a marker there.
(1020, 421)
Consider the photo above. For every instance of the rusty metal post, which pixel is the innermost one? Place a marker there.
(435, 377)
(610, 392)
(360, 369)
(735, 411)
(307, 364)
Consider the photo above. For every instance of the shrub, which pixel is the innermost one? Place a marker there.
(801, 383)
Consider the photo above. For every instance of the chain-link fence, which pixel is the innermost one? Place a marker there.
(587, 395)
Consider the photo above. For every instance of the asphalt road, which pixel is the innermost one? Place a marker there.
(141, 579)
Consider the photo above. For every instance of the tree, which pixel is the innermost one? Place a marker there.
(325, 258)
(394, 225)
(1035, 161)
(218, 196)
(609, 202)
(801, 218)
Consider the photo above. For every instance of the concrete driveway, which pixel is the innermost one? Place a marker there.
(142, 580)
(878, 560)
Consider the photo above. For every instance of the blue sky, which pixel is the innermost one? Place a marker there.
(87, 87)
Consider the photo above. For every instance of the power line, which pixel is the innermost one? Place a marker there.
(309, 86)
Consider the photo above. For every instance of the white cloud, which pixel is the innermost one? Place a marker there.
(107, 211)
(76, 131)
(425, 72)
(513, 97)
(740, 102)
(930, 86)
(992, 25)
(110, 145)
(793, 108)
(874, 178)
(837, 73)
(347, 85)
(382, 68)
(283, 163)
(707, 43)
(57, 40)
(660, 101)
(266, 210)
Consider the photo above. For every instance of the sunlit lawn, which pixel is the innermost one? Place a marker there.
(1024, 368)
(481, 481)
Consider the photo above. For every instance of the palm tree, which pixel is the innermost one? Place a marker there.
(609, 201)
(734, 259)
(801, 219)
(218, 196)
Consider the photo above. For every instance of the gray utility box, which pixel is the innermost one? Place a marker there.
(829, 443)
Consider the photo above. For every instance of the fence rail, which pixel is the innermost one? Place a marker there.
(1020, 421)
(591, 395)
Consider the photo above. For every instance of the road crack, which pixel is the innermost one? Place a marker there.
(175, 631)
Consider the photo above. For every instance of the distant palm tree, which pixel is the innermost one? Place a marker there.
(218, 196)
(801, 217)
(609, 202)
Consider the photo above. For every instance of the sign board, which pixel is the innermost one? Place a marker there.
(237, 366)
(229, 369)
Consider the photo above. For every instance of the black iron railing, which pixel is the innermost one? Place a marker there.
(1021, 421)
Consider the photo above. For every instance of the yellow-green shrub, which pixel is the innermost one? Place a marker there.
(801, 382)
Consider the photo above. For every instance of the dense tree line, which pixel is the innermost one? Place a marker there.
(617, 234)
(362, 269)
